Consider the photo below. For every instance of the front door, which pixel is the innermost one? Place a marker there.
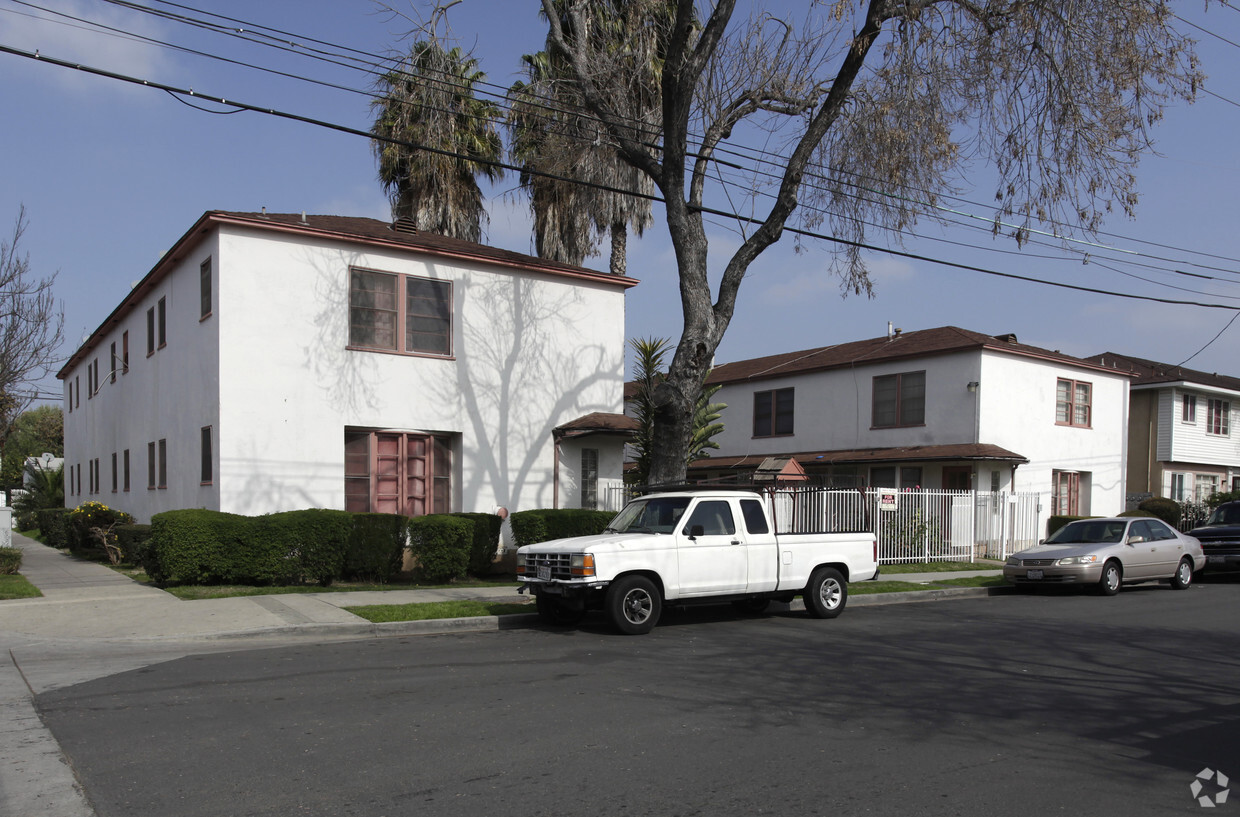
(958, 478)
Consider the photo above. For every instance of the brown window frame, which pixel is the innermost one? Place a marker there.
(419, 464)
(1073, 405)
(898, 398)
(769, 418)
(206, 470)
(1218, 417)
(401, 329)
(204, 290)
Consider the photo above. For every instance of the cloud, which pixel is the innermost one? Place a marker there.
(63, 37)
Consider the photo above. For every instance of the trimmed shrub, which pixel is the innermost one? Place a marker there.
(485, 540)
(53, 526)
(376, 547)
(85, 518)
(132, 540)
(196, 546)
(10, 560)
(440, 544)
(532, 527)
(313, 542)
(1056, 522)
(1168, 510)
(25, 520)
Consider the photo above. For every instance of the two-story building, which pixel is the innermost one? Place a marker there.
(274, 362)
(1180, 439)
(943, 408)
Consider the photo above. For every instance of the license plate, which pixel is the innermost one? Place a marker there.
(544, 573)
(1033, 574)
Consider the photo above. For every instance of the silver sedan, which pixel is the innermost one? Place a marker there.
(1109, 553)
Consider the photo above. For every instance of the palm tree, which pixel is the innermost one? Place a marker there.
(705, 423)
(552, 134)
(433, 140)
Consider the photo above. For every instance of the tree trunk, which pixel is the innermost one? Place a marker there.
(619, 248)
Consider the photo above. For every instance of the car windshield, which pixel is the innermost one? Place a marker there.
(1088, 531)
(1228, 514)
(657, 515)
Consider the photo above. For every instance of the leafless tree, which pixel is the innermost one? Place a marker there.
(31, 328)
(871, 109)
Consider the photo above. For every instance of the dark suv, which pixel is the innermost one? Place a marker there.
(1220, 537)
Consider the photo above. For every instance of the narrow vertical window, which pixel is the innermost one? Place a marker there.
(77, 389)
(115, 470)
(204, 289)
(589, 479)
(150, 465)
(1189, 412)
(112, 366)
(125, 352)
(163, 322)
(150, 331)
(205, 477)
(125, 458)
(163, 463)
(90, 381)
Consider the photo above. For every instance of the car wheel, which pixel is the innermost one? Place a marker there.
(634, 605)
(752, 607)
(1112, 578)
(826, 594)
(1183, 575)
(551, 611)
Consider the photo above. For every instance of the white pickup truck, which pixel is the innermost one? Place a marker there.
(693, 546)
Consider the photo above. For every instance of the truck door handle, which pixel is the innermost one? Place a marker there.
(736, 541)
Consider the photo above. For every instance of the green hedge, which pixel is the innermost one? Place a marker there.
(1168, 510)
(532, 527)
(53, 526)
(10, 560)
(485, 542)
(132, 540)
(376, 547)
(440, 546)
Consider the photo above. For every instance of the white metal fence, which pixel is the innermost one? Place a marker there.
(911, 526)
(916, 526)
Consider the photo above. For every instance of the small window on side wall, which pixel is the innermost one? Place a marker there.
(774, 412)
(204, 287)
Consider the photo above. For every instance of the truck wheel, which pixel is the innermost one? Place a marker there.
(550, 611)
(826, 594)
(633, 605)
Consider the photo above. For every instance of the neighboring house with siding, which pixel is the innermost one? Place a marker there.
(1182, 436)
(272, 362)
(943, 408)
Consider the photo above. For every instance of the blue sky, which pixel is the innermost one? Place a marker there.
(112, 174)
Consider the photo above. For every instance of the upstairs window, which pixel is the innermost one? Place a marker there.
(899, 400)
(773, 413)
(162, 315)
(150, 331)
(1073, 403)
(125, 352)
(204, 289)
(399, 313)
(1188, 412)
(1217, 413)
(112, 368)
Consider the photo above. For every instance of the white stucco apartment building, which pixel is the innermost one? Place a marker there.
(943, 408)
(275, 362)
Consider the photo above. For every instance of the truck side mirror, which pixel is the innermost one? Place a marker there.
(695, 531)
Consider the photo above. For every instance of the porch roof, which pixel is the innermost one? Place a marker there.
(855, 456)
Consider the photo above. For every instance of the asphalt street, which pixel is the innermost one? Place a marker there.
(1017, 705)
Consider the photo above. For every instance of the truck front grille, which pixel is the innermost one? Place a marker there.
(558, 562)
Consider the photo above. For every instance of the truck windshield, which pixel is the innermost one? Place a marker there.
(657, 515)
(1225, 514)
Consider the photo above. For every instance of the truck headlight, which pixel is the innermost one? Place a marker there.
(581, 564)
(520, 563)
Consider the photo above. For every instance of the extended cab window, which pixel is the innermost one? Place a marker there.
(715, 518)
(755, 519)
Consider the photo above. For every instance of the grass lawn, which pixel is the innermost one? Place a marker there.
(880, 586)
(425, 611)
(937, 567)
(16, 586)
(193, 592)
(974, 581)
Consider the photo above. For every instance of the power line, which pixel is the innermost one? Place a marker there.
(711, 211)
